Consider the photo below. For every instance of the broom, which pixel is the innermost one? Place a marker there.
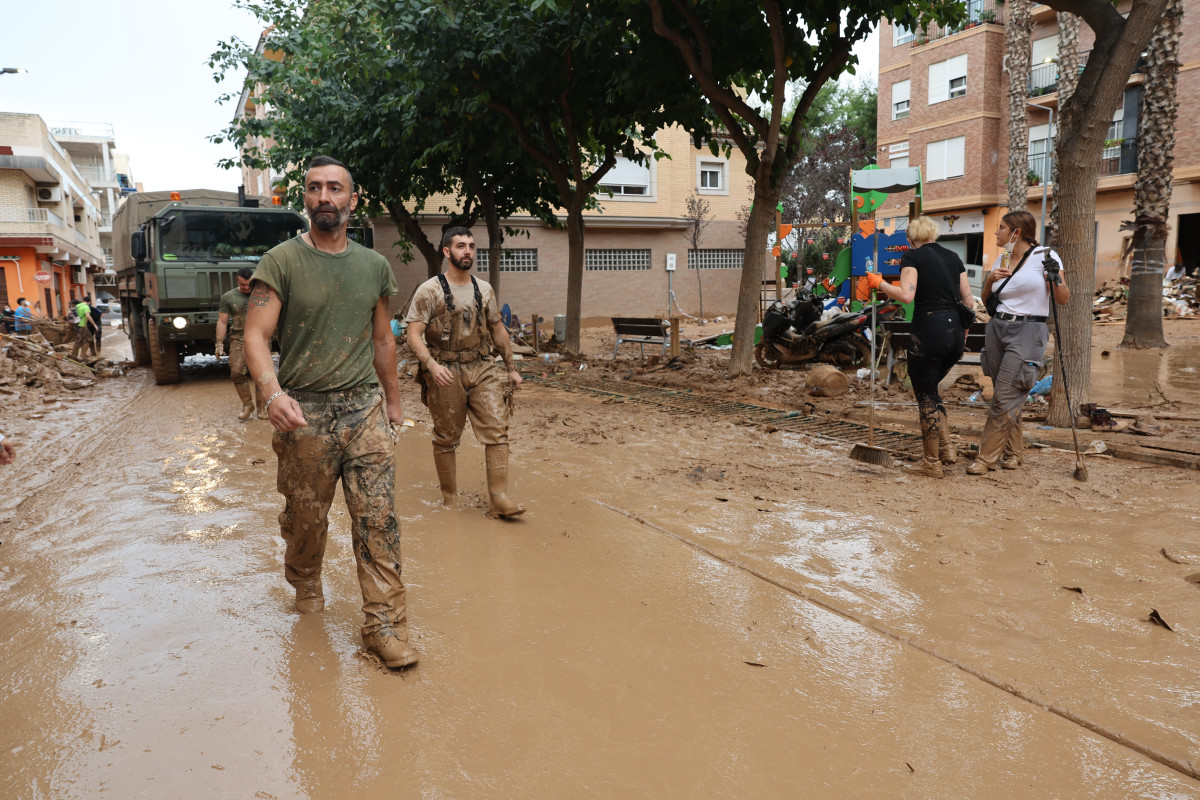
(868, 453)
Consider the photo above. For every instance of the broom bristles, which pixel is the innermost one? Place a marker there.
(868, 454)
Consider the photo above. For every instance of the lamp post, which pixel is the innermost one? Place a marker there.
(13, 70)
(1050, 154)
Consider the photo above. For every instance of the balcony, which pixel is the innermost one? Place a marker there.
(1041, 165)
(97, 175)
(1043, 79)
(979, 12)
(1120, 157)
(35, 215)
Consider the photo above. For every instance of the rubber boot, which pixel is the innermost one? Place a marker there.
(260, 403)
(496, 458)
(947, 453)
(445, 463)
(243, 390)
(310, 596)
(393, 651)
(930, 466)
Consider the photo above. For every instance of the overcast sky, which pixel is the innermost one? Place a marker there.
(141, 66)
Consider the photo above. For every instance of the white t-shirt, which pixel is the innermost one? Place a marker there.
(1027, 292)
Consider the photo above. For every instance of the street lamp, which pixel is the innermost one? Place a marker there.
(1050, 153)
(13, 70)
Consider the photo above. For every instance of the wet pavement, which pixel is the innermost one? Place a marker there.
(689, 609)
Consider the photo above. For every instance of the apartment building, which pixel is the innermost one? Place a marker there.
(943, 106)
(50, 219)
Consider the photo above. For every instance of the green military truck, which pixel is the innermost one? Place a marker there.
(175, 254)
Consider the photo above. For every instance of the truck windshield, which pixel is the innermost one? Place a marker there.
(233, 235)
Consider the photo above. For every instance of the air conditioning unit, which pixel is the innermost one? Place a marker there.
(49, 194)
(78, 277)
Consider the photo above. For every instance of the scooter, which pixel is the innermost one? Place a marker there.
(794, 333)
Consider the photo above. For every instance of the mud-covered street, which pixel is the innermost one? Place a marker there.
(690, 608)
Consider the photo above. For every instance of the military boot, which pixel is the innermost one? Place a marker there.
(393, 651)
(445, 463)
(243, 390)
(947, 453)
(310, 596)
(930, 466)
(496, 458)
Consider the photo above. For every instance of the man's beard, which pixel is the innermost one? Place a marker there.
(322, 221)
(458, 262)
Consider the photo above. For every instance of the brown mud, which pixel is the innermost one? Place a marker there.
(690, 607)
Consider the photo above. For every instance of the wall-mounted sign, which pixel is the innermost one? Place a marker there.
(43, 277)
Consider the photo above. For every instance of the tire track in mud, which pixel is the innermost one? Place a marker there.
(1186, 768)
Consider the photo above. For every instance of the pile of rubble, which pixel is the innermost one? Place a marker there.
(1181, 298)
(33, 363)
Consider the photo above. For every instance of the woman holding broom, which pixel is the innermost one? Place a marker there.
(1021, 279)
(933, 277)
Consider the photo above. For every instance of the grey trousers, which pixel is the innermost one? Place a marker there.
(1012, 355)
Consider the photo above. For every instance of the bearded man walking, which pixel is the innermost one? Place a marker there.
(333, 403)
(453, 323)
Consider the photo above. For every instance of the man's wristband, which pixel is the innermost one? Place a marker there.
(272, 398)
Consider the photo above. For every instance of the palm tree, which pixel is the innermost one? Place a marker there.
(1152, 190)
(1019, 50)
(1068, 79)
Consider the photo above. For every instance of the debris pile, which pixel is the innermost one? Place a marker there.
(32, 364)
(1181, 298)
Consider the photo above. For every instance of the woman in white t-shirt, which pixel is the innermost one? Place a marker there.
(1016, 335)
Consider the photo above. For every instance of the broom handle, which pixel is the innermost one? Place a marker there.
(871, 416)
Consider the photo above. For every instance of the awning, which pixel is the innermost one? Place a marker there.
(888, 181)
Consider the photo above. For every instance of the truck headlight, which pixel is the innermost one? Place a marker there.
(179, 322)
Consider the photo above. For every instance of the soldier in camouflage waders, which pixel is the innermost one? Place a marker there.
(333, 403)
(232, 318)
(453, 324)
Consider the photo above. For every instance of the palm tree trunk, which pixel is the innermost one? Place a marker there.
(1152, 191)
(1018, 47)
(1068, 79)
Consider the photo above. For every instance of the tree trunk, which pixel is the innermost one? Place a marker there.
(1152, 191)
(699, 285)
(1018, 47)
(574, 272)
(408, 225)
(495, 230)
(758, 228)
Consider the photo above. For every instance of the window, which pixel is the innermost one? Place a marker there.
(1041, 151)
(898, 155)
(900, 99)
(1043, 76)
(710, 177)
(945, 159)
(715, 259)
(627, 179)
(616, 260)
(518, 260)
(900, 35)
(948, 79)
(898, 162)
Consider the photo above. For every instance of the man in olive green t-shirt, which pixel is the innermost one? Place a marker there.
(328, 298)
(231, 318)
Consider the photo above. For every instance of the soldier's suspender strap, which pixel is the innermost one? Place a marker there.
(449, 297)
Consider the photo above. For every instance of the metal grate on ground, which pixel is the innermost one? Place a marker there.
(679, 401)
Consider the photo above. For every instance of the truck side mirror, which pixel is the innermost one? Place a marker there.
(137, 246)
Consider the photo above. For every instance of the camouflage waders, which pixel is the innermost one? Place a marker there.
(348, 437)
(239, 373)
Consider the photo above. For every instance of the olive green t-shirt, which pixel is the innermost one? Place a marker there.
(325, 342)
(234, 303)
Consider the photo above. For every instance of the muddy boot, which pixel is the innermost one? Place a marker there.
(447, 477)
(496, 458)
(947, 453)
(929, 466)
(243, 390)
(393, 651)
(310, 597)
(260, 403)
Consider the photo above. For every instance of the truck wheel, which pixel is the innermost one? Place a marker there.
(164, 359)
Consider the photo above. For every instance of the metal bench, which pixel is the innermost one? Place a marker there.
(898, 333)
(642, 331)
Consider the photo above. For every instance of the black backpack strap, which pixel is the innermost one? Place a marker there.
(446, 291)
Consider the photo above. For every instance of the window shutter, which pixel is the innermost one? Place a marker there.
(956, 157)
(939, 83)
(935, 161)
(900, 92)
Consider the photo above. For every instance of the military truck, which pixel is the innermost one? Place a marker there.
(175, 254)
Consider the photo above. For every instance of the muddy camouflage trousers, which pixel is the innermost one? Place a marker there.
(348, 438)
(238, 371)
(480, 392)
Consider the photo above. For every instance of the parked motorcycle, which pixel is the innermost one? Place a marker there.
(794, 333)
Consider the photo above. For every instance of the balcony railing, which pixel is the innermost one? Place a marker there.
(97, 175)
(1120, 158)
(1043, 79)
(1041, 165)
(30, 215)
(978, 13)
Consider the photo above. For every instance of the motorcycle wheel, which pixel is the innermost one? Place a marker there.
(767, 356)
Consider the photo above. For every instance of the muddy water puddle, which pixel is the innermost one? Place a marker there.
(799, 639)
